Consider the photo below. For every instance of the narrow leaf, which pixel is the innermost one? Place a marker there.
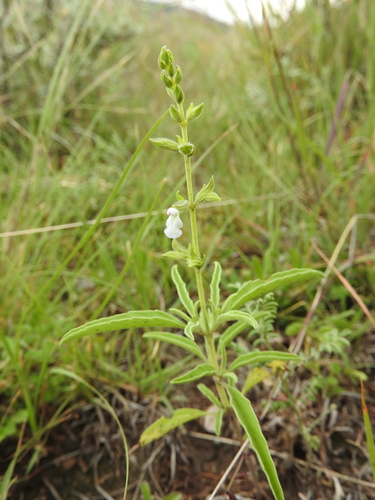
(232, 331)
(262, 357)
(189, 329)
(215, 285)
(206, 391)
(182, 291)
(250, 423)
(163, 425)
(253, 289)
(237, 316)
(164, 143)
(132, 319)
(195, 374)
(218, 421)
(256, 376)
(177, 340)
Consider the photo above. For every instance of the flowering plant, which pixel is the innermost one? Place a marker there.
(208, 317)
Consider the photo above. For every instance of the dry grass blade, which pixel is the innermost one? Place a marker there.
(296, 346)
(346, 284)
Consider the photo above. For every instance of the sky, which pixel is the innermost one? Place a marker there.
(218, 9)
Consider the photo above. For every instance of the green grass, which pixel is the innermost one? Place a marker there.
(76, 106)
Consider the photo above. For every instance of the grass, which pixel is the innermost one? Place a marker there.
(287, 131)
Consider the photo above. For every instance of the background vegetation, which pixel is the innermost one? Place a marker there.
(288, 132)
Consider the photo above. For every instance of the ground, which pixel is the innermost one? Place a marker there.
(83, 457)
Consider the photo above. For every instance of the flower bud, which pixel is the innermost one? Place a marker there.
(193, 112)
(166, 80)
(175, 115)
(187, 149)
(163, 59)
(179, 95)
(178, 75)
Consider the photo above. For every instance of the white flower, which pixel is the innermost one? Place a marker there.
(174, 223)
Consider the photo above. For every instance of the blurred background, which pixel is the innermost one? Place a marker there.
(288, 133)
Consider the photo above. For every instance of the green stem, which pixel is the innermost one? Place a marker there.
(193, 223)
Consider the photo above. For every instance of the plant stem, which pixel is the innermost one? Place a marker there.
(193, 222)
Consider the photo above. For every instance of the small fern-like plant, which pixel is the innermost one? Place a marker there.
(207, 318)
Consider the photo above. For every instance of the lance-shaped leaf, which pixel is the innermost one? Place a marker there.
(262, 357)
(195, 374)
(164, 143)
(237, 316)
(206, 391)
(254, 289)
(218, 422)
(190, 328)
(182, 291)
(215, 285)
(174, 339)
(250, 423)
(163, 425)
(132, 319)
(232, 331)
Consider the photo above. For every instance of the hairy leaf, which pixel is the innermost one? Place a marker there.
(164, 424)
(250, 423)
(195, 374)
(215, 285)
(262, 357)
(132, 319)
(254, 289)
(206, 391)
(237, 316)
(174, 339)
(182, 291)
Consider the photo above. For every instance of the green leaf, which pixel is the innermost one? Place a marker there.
(262, 357)
(231, 376)
(175, 339)
(132, 319)
(182, 291)
(146, 491)
(232, 331)
(237, 316)
(189, 329)
(253, 289)
(206, 391)
(256, 376)
(164, 143)
(163, 425)
(215, 285)
(195, 374)
(223, 355)
(218, 421)
(249, 421)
